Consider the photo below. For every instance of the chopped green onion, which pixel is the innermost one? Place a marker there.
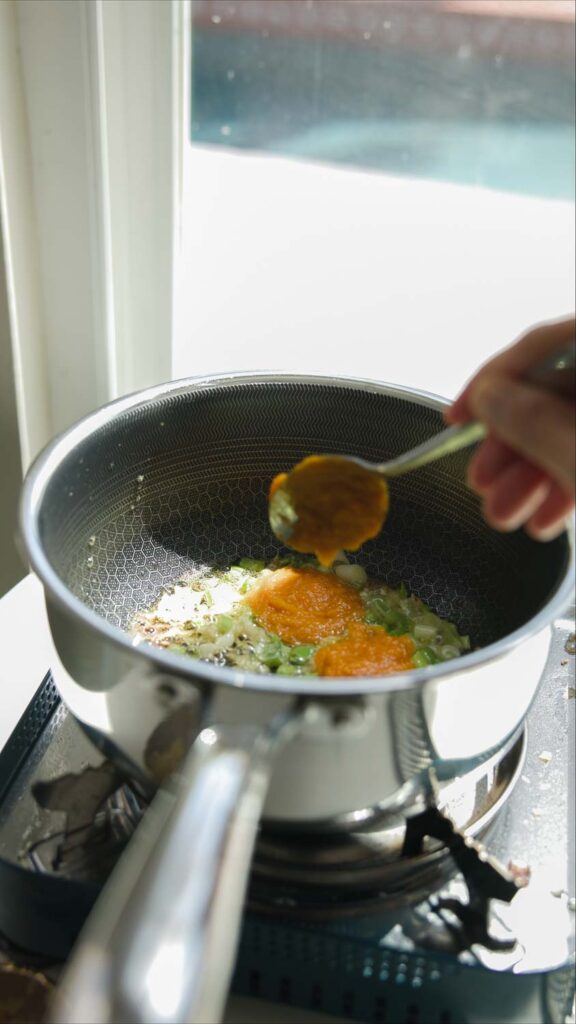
(288, 670)
(252, 564)
(396, 623)
(301, 654)
(423, 657)
(372, 619)
(208, 599)
(376, 611)
(224, 623)
(272, 653)
(449, 634)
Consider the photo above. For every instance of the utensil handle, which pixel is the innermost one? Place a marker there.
(161, 943)
(555, 374)
(447, 441)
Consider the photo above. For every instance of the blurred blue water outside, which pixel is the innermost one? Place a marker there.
(475, 120)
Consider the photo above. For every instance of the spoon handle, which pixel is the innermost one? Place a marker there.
(555, 374)
(447, 441)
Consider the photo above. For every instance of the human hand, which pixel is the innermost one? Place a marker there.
(524, 471)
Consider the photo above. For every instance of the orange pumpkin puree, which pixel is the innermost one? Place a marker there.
(304, 606)
(339, 505)
(365, 651)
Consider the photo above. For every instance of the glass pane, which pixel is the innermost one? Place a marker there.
(376, 188)
(470, 91)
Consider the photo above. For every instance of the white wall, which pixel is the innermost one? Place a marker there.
(11, 568)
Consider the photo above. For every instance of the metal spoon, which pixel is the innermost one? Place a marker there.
(555, 374)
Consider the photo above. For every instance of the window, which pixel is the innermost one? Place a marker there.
(381, 188)
(469, 91)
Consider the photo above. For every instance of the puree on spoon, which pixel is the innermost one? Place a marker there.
(327, 504)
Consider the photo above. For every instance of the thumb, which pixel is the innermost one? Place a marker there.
(534, 422)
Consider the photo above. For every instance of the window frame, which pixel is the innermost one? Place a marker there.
(90, 196)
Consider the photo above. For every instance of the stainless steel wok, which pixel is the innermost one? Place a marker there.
(162, 483)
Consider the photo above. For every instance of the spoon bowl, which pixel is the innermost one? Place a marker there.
(329, 503)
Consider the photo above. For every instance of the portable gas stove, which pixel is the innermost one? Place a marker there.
(339, 925)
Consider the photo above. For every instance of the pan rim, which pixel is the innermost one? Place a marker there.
(62, 445)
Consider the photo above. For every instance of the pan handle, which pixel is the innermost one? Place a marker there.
(161, 942)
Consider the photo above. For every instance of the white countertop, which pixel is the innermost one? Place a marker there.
(26, 650)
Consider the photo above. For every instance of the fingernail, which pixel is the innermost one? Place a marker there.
(546, 532)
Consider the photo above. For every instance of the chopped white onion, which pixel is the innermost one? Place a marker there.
(206, 650)
(341, 559)
(353, 574)
(424, 633)
(448, 651)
